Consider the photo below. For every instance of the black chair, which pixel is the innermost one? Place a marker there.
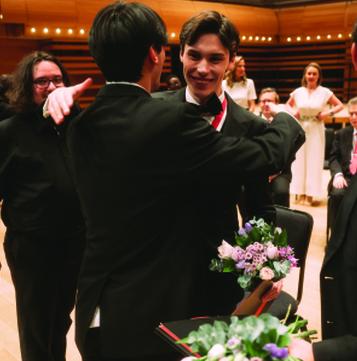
(298, 225)
(329, 137)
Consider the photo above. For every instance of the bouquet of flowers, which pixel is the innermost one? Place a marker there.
(261, 253)
(253, 338)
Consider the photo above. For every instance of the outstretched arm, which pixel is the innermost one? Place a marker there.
(59, 103)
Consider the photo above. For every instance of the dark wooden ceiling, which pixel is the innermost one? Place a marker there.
(277, 3)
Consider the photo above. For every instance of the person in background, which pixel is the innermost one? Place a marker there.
(5, 85)
(238, 86)
(173, 82)
(44, 236)
(280, 182)
(338, 279)
(308, 103)
(344, 149)
(145, 158)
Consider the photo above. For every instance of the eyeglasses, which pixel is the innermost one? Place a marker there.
(45, 82)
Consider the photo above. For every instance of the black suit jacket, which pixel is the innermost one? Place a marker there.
(216, 207)
(137, 161)
(338, 280)
(340, 155)
(222, 213)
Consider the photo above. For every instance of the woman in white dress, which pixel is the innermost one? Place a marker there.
(238, 86)
(309, 104)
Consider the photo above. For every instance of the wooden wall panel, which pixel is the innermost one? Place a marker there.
(14, 11)
(313, 20)
(331, 17)
(13, 50)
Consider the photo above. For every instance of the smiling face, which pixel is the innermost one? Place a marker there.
(312, 76)
(240, 69)
(204, 66)
(45, 70)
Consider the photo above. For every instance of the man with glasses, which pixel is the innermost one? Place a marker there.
(279, 184)
(44, 227)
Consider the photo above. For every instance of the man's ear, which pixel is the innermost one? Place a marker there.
(354, 55)
(230, 65)
(153, 55)
(181, 55)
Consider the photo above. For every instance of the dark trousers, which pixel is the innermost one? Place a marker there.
(44, 270)
(336, 195)
(280, 189)
(92, 351)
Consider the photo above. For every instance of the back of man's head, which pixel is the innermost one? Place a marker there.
(121, 36)
(210, 22)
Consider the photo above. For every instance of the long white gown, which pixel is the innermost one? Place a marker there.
(307, 169)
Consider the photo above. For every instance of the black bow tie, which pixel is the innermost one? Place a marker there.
(213, 106)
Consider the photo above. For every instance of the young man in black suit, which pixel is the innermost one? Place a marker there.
(340, 160)
(208, 44)
(138, 163)
(338, 279)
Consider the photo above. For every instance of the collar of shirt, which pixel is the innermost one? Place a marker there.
(190, 99)
(269, 120)
(126, 83)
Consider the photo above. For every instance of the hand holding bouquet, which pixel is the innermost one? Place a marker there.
(261, 253)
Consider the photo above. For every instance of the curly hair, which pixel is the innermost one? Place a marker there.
(21, 93)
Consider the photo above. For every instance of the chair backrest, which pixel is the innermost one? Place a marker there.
(329, 137)
(298, 225)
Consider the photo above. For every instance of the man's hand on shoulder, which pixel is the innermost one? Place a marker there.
(59, 103)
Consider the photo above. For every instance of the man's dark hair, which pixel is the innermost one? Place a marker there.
(210, 22)
(121, 36)
(21, 92)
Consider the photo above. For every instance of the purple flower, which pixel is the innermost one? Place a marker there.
(242, 232)
(237, 254)
(285, 251)
(240, 265)
(293, 260)
(233, 342)
(248, 256)
(275, 351)
(248, 227)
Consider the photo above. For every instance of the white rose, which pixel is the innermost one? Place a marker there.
(240, 357)
(272, 252)
(266, 274)
(189, 358)
(216, 352)
(225, 250)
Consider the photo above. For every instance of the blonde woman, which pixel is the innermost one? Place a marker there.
(238, 86)
(311, 104)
